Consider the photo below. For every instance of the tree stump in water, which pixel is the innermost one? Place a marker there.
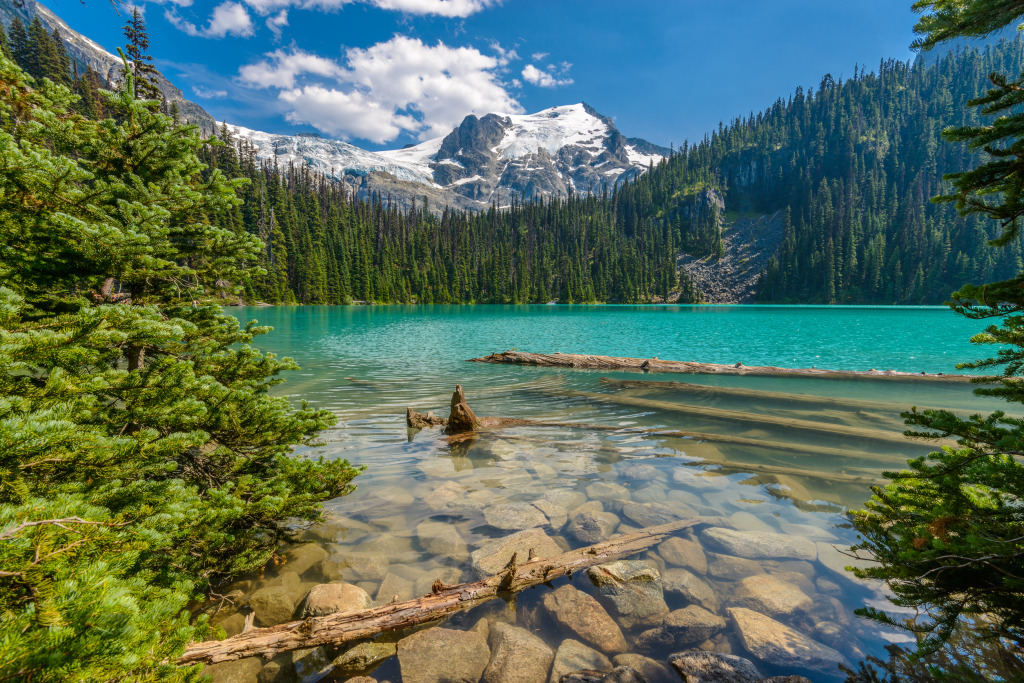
(462, 418)
(416, 420)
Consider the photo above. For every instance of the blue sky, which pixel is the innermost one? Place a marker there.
(383, 73)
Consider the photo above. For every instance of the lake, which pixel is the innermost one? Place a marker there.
(765, 455)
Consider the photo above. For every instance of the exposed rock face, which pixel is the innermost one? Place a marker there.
(573, 655)
(492, 557)
(759, 545)
(710, 667)
(462, 418)
(631, 588)
(779, 645)
(583, 617)
(329, 598)
(771, 595)
(441, 655)
(517, 656)
(592, 527)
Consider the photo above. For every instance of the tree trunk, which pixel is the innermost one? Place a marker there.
(336, 629)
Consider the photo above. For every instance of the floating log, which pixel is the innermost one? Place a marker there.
(574, 360)
(830, 428)
(347, 627)
(758, 395)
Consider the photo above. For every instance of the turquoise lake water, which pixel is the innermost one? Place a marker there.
(769, 454)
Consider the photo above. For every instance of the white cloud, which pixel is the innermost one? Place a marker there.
(542, 78)
(206, 94)
(401, 85)
(539, 56)
(228, 18)
(282, 68)
(277, 22)
(444, 8)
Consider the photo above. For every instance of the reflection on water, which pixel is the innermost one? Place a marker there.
(775, 462)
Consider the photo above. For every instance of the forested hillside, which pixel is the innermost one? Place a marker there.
(849, 167)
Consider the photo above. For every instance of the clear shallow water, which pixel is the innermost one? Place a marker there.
(788, 458)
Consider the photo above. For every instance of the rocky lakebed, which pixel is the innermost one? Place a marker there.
(758, 593)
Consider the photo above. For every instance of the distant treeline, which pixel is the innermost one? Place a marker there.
(851, 165)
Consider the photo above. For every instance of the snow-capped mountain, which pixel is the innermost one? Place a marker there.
(483, 161)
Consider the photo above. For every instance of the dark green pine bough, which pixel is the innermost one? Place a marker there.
(142, 459)
(949, 532)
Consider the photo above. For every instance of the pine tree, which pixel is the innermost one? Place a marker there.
(947, 533)
(138, 53)
(144, 460)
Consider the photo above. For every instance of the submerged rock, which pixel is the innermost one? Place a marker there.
(240, 671)
(394, 588)
(690, 587)
(684, 553)
(330, 598)
(731, 568)
(438, 538)
(653, 671)
(364, 656)
(692, 625)
(443, 495)
(632, 588)
(566, 498)
(583, 617)
(620, 674)
(592, 527)
(441, 655)
(711, 667)
(492, 557)
(275, 604)
(515, 516)
(771, 595)
(653, 514)
(573, 655)
(759, 545)
(517, 656)
(301, 558)
(355, 566)
(641, 472)
(607, 492)
(556, 514)
(777, 644)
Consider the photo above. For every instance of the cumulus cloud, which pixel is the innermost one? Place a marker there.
(281, 68)
(394, 87)
(228, 18)
(277, 22)
(544, 79)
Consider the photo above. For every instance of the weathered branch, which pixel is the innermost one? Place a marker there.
(347, 627)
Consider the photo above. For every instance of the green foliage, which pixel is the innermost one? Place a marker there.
(948, 533)
(143, 458)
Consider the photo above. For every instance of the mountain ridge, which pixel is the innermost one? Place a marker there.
(485, 160)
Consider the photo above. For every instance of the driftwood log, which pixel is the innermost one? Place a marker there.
(574, 360)
(347, 627)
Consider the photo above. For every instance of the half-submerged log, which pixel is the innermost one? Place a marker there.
(336, 629)
(811, 400)
(574, 360)
(462, 423)
(735, 416)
